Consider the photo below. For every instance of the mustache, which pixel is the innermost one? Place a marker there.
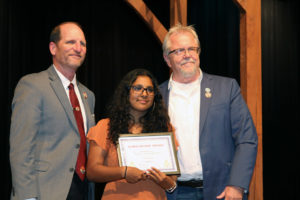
(190, 60)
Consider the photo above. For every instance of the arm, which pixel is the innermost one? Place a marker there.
(245, 141)
(25, 121)
(98, 172)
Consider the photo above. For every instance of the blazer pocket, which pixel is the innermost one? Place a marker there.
(42, 166)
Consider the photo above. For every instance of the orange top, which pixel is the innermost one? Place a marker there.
(120, 189)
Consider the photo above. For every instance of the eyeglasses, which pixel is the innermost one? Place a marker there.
(182, 51)
(139, 89)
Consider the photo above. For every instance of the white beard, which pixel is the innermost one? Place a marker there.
(188, 74)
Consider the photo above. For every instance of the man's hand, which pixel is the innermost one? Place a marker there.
(232, 193)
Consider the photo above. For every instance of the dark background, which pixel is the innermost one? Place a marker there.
(118, 41)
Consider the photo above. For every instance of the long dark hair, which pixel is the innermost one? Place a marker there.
(155, 120)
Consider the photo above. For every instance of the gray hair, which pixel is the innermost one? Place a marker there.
(175, 30)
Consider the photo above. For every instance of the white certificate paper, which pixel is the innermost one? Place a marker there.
(148, 150)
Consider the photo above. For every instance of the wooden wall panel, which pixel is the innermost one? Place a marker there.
(251, 83)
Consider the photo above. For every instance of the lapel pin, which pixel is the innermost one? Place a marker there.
(85, 95)
(207, 93)
(82, 170)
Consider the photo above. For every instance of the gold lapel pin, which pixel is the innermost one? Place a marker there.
(85, 95)
(208, 93)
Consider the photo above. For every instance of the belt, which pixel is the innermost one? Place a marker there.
(191, 183)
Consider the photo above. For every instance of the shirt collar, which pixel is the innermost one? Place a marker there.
(66, 82)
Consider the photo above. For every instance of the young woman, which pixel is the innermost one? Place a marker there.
(136, 107)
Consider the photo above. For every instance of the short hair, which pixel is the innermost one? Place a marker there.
(55, 33)
(175, 30)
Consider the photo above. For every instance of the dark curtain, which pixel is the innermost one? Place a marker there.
(118, 41)
(280, 81)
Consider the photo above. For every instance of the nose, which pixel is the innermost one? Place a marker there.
(77, 47)
(144, 91)
(187, 53)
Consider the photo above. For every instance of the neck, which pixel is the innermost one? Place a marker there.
(136, 128)
(68, 73)
(136, 115)
(186, 79)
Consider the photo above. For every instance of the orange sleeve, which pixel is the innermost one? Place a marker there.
(99, 133)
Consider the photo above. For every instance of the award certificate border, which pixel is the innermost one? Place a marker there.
(123, 138)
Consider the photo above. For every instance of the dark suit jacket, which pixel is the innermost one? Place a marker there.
(44, 137)
(228, 139)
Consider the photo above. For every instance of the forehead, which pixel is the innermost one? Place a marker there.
(71, 32)
(143, 80)
(182, 39)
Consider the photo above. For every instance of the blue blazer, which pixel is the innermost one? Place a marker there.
(228, 139)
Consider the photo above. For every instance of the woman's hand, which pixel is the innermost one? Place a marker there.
(133, 175)
(164, 181)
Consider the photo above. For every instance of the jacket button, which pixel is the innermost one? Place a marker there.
(71, 169)
(77, 146)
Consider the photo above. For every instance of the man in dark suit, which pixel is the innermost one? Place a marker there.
(45, 137)
(217, 138)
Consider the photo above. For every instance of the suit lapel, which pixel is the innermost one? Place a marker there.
(165, 93)
(204, 103)
(206, 84)
(60, 92)
(85, 102)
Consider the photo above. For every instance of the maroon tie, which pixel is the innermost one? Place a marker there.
(81, 159)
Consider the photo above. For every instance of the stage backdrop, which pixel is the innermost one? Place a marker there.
(118, 41)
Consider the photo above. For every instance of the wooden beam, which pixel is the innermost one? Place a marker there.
(250, 73)
(155, 25)
(178, 12)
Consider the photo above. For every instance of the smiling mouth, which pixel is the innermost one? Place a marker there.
(75, 56)
(143, 101)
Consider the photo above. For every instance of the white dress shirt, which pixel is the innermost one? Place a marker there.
(66, 82)
(184, 112)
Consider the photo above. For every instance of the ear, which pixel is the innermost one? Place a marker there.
(167, 60)
(52, 48)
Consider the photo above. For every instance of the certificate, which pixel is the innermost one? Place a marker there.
(148, 150)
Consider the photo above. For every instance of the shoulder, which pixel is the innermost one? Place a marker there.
(221, 82)
(164, 84)
(33, 83)
(103, 122)
(99, 132)
(218, 78)
(35, 77)
(85, 89)
(163, 88)
(100, 126)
